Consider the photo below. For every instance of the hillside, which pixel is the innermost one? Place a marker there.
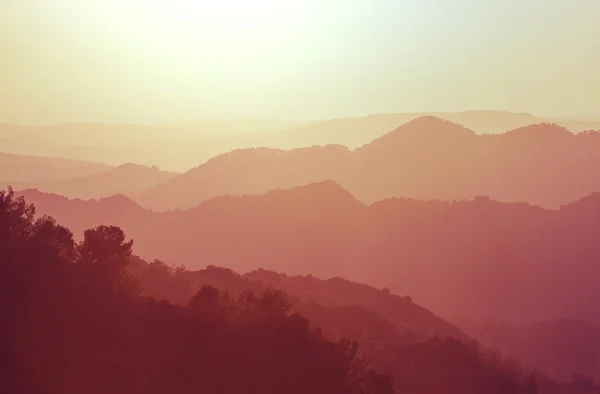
(20, 169)
(74, 321)
(426, 158)
(128, 336)
(355, 132)
(126, 179)
(182, 146)
(176, 146)
(562, 348)
(387, 317)
(80, 215)
(338, 292)
(468, 252)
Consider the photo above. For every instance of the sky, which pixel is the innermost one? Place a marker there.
(155, 61)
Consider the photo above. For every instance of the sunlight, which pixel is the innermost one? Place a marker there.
(227, 29)
(229, 17)
(299, 196)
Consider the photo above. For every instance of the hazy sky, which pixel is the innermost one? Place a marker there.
(172, 60)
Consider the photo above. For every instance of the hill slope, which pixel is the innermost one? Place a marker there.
(426, 158)
(561, 347)
(181, 146)
(19, 169)
(454, 258)
(392, 330)
(127, 179)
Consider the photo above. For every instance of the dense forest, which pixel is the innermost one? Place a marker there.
(90, 317)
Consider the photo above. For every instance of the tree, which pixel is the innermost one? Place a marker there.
(16, 220)
(105, 248)
(105, 254)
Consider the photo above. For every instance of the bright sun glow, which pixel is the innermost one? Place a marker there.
(228, 17)
(229, 28)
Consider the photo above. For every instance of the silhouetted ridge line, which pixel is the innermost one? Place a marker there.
(589, 203)
(319, 192)
(116, 200)
(120, 201)
(426, 158)
(338, 292)
(541, 130)
(562, 348)
(424, 127)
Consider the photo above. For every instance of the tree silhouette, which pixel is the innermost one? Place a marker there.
(105, 254)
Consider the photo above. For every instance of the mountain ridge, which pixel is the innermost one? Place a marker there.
(407, 245)
(128, 179)
(427, 158)
(197, 141)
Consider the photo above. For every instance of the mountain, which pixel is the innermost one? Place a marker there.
(389, 328)
(24, 169)
(389, 315)
(74, 321)
(401, 336)
(127, 179)
(338, 292)
(248, 171)
(426, 158)
(480, 258)
(561, 347)
(128, 336)
(357, 131)
(80, 215)
(176, 146)
(181, 146)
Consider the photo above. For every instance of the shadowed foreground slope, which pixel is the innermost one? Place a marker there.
(425, 358)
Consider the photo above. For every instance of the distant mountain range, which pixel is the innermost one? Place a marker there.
(480, 258)
(174, 146)
(495, 227)
(426, 158)
(181, 146)
(126, 179)
(19, 169)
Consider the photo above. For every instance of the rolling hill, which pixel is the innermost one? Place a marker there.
(560, 347)
(126, 179)
(181, 146)
(20, 169)
(426, 158)
(480, 258)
